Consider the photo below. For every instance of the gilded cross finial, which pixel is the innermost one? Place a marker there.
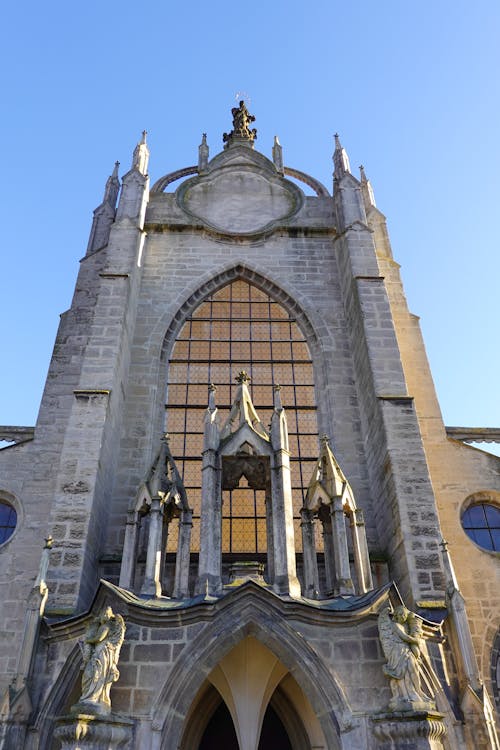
(243, 377)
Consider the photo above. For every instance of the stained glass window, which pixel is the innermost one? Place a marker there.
(239, 328)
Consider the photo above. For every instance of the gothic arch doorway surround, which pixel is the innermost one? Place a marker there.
(305, 680)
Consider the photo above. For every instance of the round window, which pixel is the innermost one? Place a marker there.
(481, 522)
(8, 521)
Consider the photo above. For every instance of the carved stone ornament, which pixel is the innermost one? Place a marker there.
(101, 650)
(241, 120)
(402, 640)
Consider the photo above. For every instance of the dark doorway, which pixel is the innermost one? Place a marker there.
(273, 735)
(220, 732)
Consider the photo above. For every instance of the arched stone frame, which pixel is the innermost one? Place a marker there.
(174, 701)
(60, 694)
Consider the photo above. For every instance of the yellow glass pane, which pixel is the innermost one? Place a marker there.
(240, 331)
(300, 350)
(305, 396)
(176, 443)
(181, 350)
(281, 350)
(261, 372)
(175, 420)
(200, 329)
(277, 311)
(240, 290)
(226, 534)
(240, 310)
(195, 419)
(303, 374)
(192, 473)
(203, 311)
(223, 294)
(220, 350)
(256, 295)
(198, 373)
(240, 351)
(173, 535)
(243, 535)
(176, 393)
(261, 350)
(261, 535)
(197, 394)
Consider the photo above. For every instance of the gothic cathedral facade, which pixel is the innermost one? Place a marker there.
(259, 532)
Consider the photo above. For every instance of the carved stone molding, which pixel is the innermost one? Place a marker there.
(418, 730)
(90, 732)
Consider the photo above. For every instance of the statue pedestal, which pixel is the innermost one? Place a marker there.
(409, 730)
(85, 731)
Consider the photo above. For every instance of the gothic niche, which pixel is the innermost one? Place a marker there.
(330, 502)
(161, 501)
(243, 450)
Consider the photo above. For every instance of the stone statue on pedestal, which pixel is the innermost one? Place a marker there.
(101, 651)
(401, 637)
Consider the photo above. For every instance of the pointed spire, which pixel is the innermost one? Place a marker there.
(366, 190)
(278, 406)
(112, 187)
(212, 390)
(278, 155)
(279, 428)
(211, 438)
(141, 155)
(340, 159)
(328, 476)
(203, 154)
(243, 410)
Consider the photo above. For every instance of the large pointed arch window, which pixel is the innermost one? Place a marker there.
(240, 327)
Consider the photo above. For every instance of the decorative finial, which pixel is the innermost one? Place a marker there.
(241, 133)
(277, 397)
(144, 134)
(115, 170)
(243, 377)
(48, 542)
(212, 388)
(325, 441)
(340, 159)
(278, 155)
(203, 153)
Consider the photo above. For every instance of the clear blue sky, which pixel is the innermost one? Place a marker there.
(412, 88)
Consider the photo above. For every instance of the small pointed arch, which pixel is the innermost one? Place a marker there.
(172, 708)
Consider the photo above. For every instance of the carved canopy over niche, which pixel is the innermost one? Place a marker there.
(242, 193)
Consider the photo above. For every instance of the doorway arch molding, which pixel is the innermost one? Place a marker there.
(249, 615)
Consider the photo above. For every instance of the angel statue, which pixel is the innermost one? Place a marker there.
(101, 649)
(401, 637)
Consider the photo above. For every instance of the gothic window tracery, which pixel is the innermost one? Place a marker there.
(240, 327)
